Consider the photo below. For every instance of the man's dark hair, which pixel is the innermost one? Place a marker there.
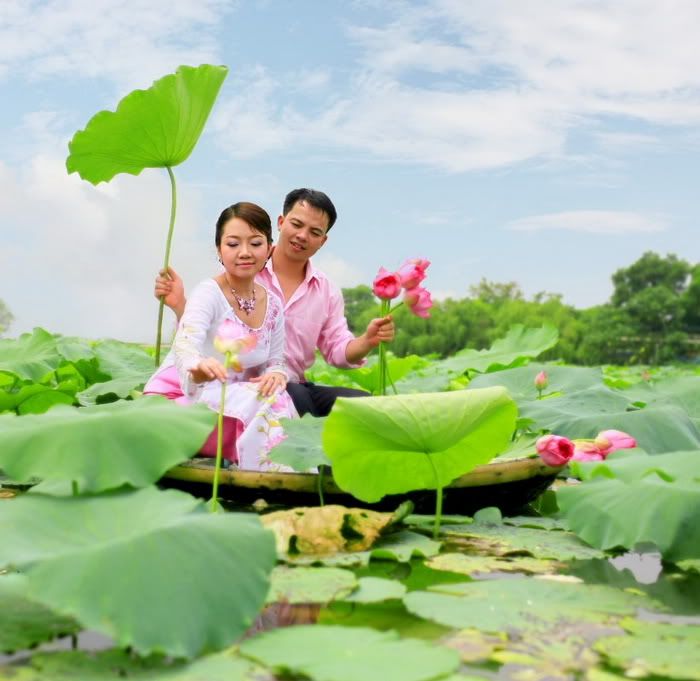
(314, 198)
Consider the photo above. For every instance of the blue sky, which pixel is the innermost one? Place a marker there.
(544, 142)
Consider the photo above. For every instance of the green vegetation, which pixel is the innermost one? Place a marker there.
(5, 317)
(653, 317)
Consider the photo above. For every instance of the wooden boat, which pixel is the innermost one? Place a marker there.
(507, 484)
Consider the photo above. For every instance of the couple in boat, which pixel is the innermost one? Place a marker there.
(281, 308)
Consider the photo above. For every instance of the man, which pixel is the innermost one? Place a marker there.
(313, 307)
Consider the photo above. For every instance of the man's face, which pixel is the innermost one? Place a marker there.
(302, 231)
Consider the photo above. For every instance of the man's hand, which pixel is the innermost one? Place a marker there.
(208, 369)
(170, 287)
(270, 382)
(378, 330)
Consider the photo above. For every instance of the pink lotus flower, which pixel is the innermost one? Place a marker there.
(230, 337)
(386, 285)
(609, 441)
(555, 450)
(419, 300)
(585, 450)
(412, 272)
(541, 380)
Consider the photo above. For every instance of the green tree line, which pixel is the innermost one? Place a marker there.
(652, 317)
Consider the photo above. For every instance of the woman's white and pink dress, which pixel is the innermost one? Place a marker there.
(257, 426)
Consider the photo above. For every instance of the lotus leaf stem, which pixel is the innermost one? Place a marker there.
(168, 243)
(319, 485)
(438, 499)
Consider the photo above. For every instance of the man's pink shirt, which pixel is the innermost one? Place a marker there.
(314, 317)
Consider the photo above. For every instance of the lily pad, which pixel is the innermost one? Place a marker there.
(505, 540)
(116, 665)
(151, 128)
(475, 565)
(376, 589)
(631, 465)
(654, 649)
(103, 447)
(110, 391)
(473, 645)
(326, 529)
(25, 623)
(337, 653)
(392, 445)
(201, 577)
(310, 584)
(521, 604)
(398, 546)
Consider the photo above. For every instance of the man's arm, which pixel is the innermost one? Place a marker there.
(169, 285)
(378, 330)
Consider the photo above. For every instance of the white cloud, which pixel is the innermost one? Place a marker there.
(592, 221)
(79, 259)
(130, 42)
(484, 84)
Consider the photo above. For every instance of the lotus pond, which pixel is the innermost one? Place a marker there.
(598, 579)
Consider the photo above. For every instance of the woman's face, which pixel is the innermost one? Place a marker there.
(243, 250)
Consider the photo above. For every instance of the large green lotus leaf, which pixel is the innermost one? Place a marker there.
(521, 604)
(110, 391)
(336, 653)
(520, 382)
(74, 349)
(302, 449)
(153, 570)
(391, 445)
(151, 128)
(126, 443)
(504, 540)
(25, 623)
(516, 348)
(309, 584)
(35, 398)
(630, 465)
(518, 345)
(655, 649)
(31, 356)
(586, 413)
(610, 513)
(116, 665)
(117, 359)
(681, 391)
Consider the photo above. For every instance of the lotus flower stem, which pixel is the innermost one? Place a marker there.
(219, 441)
(168, 243)
(74, 487)
(382, 353)
(438, 500)
(319, 486)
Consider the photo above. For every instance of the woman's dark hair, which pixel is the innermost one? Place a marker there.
(256, 217)
(314, 198)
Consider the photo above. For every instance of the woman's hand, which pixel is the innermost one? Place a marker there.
(208, 369)
(169, 286)
(270, 382)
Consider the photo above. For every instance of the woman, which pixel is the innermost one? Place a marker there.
(234, 305)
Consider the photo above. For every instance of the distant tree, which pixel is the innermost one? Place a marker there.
(358, 301)
(649, 271)
(494, 293)
(651, 291)
(691, 302)
(5, 318)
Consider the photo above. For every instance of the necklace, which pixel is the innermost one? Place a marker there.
(246, 304)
